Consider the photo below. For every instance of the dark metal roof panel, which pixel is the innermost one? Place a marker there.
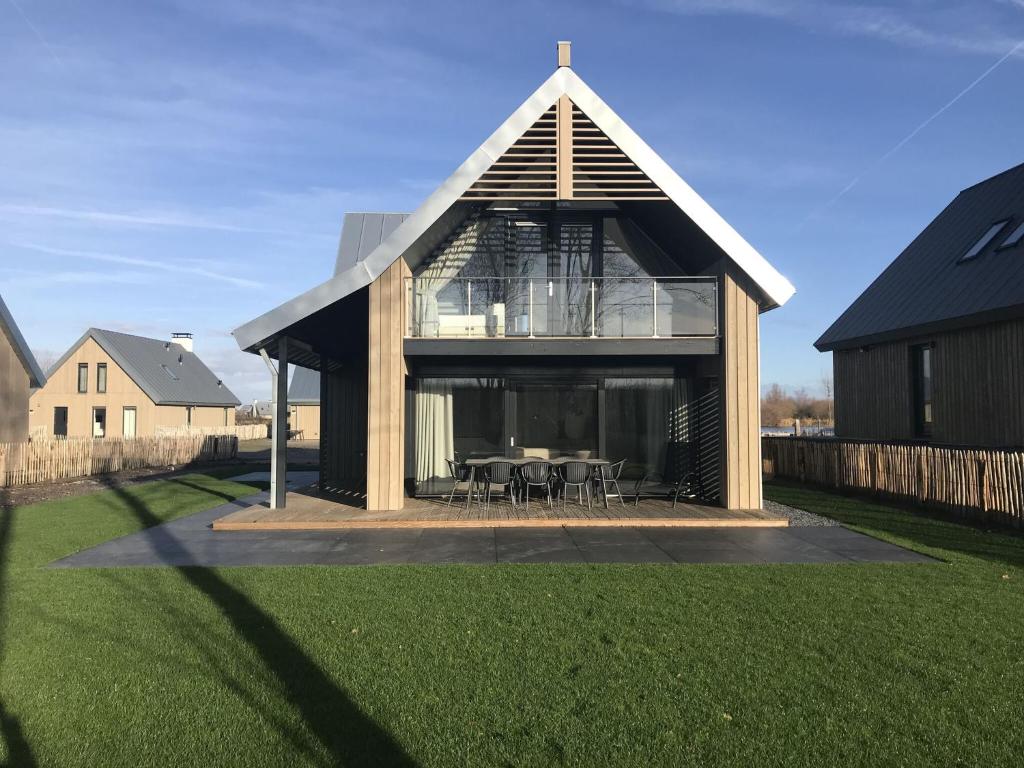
(36, 377)
(361, 233)
(926, 286)
(304, 386)
(166, 372)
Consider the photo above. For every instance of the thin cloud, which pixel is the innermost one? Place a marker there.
(37, 33)
(176, 268)
(968, 29)
(910, 136)
(131, 219)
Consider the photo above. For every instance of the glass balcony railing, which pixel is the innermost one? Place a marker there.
(601, 307)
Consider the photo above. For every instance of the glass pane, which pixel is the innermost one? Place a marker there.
(555, 420)
(625, 307)
(652, 424)
(686, 309)
(461, 417)
(575, 243)
(569, 303)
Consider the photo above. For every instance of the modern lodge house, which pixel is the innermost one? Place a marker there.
(563, 293)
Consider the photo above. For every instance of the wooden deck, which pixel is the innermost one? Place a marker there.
(308, 511)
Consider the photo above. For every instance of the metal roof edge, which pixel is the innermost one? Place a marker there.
(36, 376)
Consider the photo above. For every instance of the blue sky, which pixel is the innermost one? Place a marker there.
(185, 165)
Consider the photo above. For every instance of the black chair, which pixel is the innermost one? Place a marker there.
(502, 473)
(537, 473)
(686, 487)
(462, 474)
(579, 474)
(609, 476)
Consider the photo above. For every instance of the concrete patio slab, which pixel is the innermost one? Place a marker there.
(191, 541)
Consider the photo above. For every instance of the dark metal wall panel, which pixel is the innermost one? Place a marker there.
(343, 429)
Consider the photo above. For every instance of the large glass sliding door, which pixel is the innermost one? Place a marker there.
(664, 427)
(556, 419)
(461, 417)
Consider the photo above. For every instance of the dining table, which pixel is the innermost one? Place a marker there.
(476, 463)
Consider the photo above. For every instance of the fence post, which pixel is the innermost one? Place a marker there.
(982, 470)
(838, 464)
(801, 462)
(920, 478)
(3, 467)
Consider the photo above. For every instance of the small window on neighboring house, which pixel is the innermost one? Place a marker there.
(985, 239)
(173, 376)
(188, 415)
(921, 360)
(225, 417)
(1014, 238)
(101, 377)
(83, 377)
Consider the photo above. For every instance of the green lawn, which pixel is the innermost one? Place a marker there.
(523, 665)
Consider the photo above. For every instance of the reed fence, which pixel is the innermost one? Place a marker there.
(241, 431)
(37, 461)
(979, 483)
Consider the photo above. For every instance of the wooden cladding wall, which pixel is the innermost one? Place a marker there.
(977, 379)
(386, 391)
(741, 488)
(985, 484)
(14, 391)
(343, 433)
(564, 156)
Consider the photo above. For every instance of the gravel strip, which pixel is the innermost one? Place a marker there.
(797, 517)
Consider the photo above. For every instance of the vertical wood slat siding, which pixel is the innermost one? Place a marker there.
(740, 397)
(386, 391)
(50, 459)
(978, 379)
(14, 392)
(984, 484)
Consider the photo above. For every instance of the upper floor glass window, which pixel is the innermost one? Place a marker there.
(83, 377)
(921, 362)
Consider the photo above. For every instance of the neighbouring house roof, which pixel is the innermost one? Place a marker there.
(304, 388)
(416, 234)
(151, 362)
(36, 377)
(929, 287)
(361, 233)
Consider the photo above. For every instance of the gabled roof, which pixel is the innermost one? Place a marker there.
(361, 233)
(928, 288)
(165, 371)
(304, 388)
(417, 233)
(36, 378)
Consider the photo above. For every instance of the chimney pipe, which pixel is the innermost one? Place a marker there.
(182, 339)
(564, 53)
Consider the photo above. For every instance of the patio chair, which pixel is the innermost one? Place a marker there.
(462, 474)
(537, 473)
(609, 476)
(686, 487)
(579, 474)
(501, 473)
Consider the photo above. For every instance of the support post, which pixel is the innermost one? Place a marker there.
(279, 424)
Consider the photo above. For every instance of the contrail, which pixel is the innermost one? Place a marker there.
(37, 33)
(903, 142)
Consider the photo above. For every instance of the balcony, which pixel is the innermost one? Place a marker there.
(596, 308)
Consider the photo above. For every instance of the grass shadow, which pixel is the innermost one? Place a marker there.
(901, 525)
(341, 728)
(19, 751)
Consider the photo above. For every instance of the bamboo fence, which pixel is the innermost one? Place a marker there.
(984, 484)
(39, 461)
(241, 431)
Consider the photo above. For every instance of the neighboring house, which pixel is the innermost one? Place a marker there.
(113, 384)
(933, 350)
(19, 375)
(563, 293)
(304, 404)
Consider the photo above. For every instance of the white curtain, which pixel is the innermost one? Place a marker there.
(435, 432)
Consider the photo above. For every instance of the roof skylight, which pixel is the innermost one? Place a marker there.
(985, 239)
(1014, 238)
(169, 372)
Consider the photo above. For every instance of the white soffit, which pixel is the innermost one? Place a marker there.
(441, 200)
